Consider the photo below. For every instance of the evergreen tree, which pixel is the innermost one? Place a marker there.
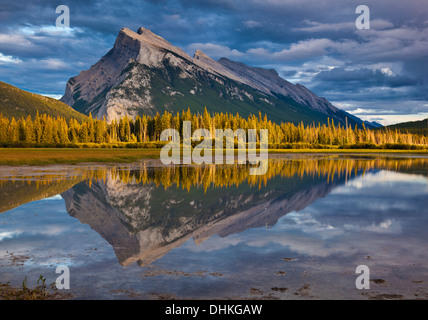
(29, 133)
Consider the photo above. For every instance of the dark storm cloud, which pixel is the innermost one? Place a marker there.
(312, 42)
(362, 78)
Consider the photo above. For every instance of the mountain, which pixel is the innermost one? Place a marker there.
(373, 124)
(144, 74)
(18, 103)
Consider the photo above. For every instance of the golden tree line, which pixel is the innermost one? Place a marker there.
(44, 129)
(211, 175)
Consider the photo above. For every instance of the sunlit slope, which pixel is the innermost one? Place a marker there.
(18, 103)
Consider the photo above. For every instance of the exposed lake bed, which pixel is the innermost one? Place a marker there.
(149, 231)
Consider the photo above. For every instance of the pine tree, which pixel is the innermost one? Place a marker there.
(4, 126)
(29, 134)
(91, 128)
(84, 134)
(157, 126)
(48, 131)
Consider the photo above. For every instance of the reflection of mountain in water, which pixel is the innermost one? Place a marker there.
(16, 193)
(145, 210)
(20, 185)
(143, 221)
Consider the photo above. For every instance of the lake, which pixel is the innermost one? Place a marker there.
(150, 231)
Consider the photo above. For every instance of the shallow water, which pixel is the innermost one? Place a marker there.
(148, 231)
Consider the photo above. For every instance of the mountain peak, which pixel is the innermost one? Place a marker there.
(147, 34)
(146, 40)
(199, 54)
(142, 30)
(143, 74)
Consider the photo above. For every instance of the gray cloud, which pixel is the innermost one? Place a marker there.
(362, 78)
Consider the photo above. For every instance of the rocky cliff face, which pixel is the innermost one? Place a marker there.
(145, 74)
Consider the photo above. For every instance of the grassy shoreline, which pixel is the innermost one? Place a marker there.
(51, 156)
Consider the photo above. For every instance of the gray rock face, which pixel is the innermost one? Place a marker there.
(144, 73)
(89, 85)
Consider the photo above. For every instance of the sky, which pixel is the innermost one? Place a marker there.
(378, 74)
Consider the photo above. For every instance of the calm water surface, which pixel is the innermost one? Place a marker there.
(148, 231)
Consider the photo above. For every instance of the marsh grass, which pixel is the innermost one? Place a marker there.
(51, 156)
(41, 292)
(48, 156)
